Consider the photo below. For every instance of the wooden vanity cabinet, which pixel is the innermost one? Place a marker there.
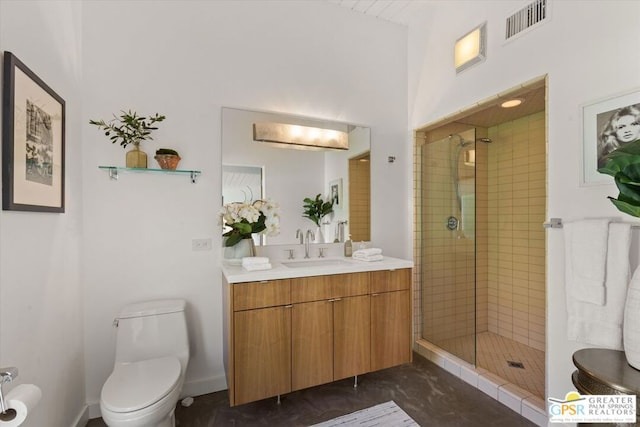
(289, 334)
(390, 318)
(261, 340)
(351, 337)
(330, 330)
(262, 353)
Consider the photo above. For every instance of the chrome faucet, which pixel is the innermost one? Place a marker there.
(300, 236)
(310, 237)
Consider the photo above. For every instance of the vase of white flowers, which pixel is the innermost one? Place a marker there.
(242, 220)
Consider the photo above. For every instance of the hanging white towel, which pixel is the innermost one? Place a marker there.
(586, 251)
(591, 321)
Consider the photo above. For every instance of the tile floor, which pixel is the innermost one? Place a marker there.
(429, 394)
(493, 354)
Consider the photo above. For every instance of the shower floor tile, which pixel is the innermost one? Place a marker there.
(494, 353)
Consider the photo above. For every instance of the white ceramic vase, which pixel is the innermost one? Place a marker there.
(631, 325)
(319, 237)
(235, 253)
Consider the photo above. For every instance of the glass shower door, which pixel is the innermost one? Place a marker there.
(447, 247)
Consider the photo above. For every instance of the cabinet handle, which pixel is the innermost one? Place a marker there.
(263, 281)
(335, 299)
(374, 295)
(288, 306)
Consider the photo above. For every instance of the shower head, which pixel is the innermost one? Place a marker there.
(462, 142)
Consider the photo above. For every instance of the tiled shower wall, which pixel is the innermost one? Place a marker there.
(516, 185)
(509, 267)
(447, 257)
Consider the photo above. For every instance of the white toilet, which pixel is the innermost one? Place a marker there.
(152, 353)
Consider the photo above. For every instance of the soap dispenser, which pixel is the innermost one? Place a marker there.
(348, 247)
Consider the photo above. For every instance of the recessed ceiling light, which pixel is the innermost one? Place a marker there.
(511, 103)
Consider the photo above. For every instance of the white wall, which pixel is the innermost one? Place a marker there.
(186, 60)
(587, 51)
(40, 286)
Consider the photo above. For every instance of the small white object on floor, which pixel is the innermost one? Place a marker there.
(187, 401)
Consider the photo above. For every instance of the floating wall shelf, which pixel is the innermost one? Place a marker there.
(114, 170)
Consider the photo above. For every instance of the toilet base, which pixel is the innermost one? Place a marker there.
(160, 414)
(168, 421)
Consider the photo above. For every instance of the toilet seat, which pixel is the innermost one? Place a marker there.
(137, 385)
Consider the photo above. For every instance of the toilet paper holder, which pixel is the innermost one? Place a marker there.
(6, 376)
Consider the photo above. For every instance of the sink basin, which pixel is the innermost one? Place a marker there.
(314, 263)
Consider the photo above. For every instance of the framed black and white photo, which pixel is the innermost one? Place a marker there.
(607, 124)
(335, 191)
(33, 132)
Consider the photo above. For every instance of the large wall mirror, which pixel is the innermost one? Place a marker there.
(257, 169)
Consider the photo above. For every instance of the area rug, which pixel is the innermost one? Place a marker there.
(386, 414)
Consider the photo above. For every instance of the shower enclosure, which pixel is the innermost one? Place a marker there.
(448, 243)
(480, 245)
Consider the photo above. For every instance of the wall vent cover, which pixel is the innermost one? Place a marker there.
(525, 18)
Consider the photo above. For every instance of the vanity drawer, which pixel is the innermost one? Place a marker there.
(390, 280)
(267, 293)
(348, 285)
(313, 288)
(317, 288)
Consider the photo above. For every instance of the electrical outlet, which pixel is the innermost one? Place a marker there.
(201, 244)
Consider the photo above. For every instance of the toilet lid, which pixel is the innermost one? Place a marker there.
(133, 386)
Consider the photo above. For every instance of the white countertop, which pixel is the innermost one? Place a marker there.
(316, 267)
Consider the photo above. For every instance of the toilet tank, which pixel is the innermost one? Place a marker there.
(152, 329)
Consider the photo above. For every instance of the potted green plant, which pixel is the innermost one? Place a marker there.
(315, 210)
(130, 128)
(623, 164)
(167, 158)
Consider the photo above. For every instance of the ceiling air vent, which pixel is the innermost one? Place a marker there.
(526, 17)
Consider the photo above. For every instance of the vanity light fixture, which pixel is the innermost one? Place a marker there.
(301, 136)
(510, 103)
(470, 48)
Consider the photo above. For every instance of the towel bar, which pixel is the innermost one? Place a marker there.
(557, 223)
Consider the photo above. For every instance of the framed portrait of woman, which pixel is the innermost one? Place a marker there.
(607, 125)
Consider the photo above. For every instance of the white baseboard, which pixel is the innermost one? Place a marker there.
(206, 386)
(94, 410)
(83, 417)
(191, 388)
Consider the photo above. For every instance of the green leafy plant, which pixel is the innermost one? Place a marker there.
(129, 127)
(316, 209)
(623, 165)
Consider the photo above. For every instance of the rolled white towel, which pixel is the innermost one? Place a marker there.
(257, 267)
(368, 258)
(253, 260)
(367, 252)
